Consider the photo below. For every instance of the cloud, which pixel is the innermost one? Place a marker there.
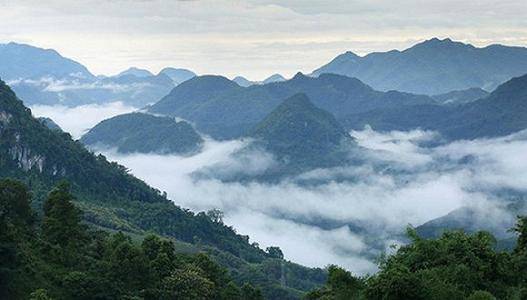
(349, 221)
(402, 181)
(254, 38)
(78, 120)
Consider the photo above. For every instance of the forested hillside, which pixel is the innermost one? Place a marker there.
(454, 266)
(112, 199)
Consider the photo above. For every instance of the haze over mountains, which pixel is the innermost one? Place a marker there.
(44, 77)
(222, 109)
(500, 113)
(433, 67)
(331, 166)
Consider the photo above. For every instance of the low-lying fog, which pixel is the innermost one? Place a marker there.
(403, 181)
(78, 120)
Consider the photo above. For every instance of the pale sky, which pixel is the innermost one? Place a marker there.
(253, 38)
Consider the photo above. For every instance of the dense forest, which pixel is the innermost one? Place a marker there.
(455, 266)
(59, 257)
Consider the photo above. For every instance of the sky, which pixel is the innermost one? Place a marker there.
(253, 38)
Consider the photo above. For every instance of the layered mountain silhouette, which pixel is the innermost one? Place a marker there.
(242, 81)
(144, 133)
(274, 78)
(135, 72)
(43, 76)
(433, 67)
(501, 113)
(461, 97)
(178, 75)
(223, 109)
(20, 61)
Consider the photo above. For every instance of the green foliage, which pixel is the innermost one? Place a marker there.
(40, 294)
(66, 260)
(144, 133)
(454, 266)
(275, 252)
(302, 136)
(481, 295)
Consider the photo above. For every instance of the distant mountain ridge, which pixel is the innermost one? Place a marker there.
(44, 77)
(135, 72)
(433, 67)
(501, 113)
(223, 109)
(461, 97)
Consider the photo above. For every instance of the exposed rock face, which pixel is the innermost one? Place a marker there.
(5, 118)
(25, 159)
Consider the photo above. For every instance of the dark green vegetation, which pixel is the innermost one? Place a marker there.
(223, 109)
(144, 133)
(112, 199)
(501, 113)
(454, 266)
(58, 257)
(433, 67)
(301, 136)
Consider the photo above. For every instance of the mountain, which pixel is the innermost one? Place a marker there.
(302, 136)
(135, 72)
(274, 78)
(144, 133)
(461, 97)
(501, 113)
(49, 123)
(111, 199)
(242, 81)
(433, 67)
(223, 109)
(178, 75)
(20, 61)
(44, 77)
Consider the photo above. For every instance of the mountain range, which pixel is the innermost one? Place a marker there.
(501, 113)
(44, 77)
(222, 109)
(244, 82)
(433, 67)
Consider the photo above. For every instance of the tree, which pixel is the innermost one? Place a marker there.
(40, 294)
(481, 295)
(521, 230)
(187, 284)
(215, 215)
(275, 252)
(16, 219)
(251, 293)
(61, 224)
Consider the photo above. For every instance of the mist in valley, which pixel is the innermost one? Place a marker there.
(348, 215)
